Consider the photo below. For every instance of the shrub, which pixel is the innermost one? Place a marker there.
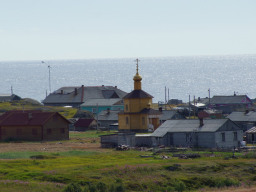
(73, 187)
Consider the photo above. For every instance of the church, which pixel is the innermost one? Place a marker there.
(138, 116)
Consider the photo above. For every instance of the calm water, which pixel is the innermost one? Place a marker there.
(182, 75)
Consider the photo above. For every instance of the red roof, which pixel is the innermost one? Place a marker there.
(21, 118)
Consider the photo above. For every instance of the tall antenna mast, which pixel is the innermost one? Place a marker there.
(49, 68)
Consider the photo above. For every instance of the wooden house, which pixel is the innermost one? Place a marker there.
(33, 126)
(208, 133)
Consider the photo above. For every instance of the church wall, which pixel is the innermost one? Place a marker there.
(136, 105)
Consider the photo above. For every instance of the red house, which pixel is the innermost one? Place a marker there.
(33, 126)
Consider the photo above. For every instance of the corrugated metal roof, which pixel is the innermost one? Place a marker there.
(68, 95)
(23, 118)
(210, 125)
(242, 116)
(252, 130)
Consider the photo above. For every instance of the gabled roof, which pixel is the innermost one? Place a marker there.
(25, 118)
(83, 122)
(108, 116)
(209, 125)
(9, 97)
(243, 116)
(101, 102)
(238, 99)
(81, 94)
(137, 94)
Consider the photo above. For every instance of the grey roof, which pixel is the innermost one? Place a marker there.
(242, 116)
(9, 97)
(238, 99)
(68, 94)
(108, 116)
(210, 125)
(168, 114)
(102, 102)
(138, 94)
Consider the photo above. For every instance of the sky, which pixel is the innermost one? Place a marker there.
(81, 29)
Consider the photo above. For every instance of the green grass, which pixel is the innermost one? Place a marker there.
(130, 170)
(89, 134)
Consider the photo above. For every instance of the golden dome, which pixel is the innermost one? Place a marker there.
(137, 77)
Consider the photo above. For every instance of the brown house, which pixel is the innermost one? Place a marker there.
(33, 126)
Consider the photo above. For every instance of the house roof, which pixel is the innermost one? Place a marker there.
(83, 93)
(83, 122)
(108, 116)
(238, 99)
(169, 114)
(101, 102)
(193, 125)
(9, 97)
(25, 118)
(138, 94)
(242, 116)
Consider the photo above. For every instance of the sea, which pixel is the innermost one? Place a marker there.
(162, 77)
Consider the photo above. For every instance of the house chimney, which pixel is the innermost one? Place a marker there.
(201, 122)
(160, 109)
(75, 91)
(246, 111)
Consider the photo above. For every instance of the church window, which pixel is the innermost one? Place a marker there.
(126, 107)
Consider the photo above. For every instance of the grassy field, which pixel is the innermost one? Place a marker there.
(54, 166)
(24, 105)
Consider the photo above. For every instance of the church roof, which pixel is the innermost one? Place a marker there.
(137, 94)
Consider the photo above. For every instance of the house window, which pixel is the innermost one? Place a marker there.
(235, 136)
(143, 121)
(126, 107)
(62, 130)
(223, 137)
(18, 131)
(34, 131)
(127, 121)
(49, 131)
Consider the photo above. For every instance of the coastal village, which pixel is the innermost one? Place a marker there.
(220, 122)
(169, 132)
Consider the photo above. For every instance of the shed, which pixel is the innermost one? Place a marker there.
(85, 124)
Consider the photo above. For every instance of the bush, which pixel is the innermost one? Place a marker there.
(73, 187)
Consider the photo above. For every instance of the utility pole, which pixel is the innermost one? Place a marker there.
(209, 96)
(194, 106)
(189, 107)
(11, 90)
